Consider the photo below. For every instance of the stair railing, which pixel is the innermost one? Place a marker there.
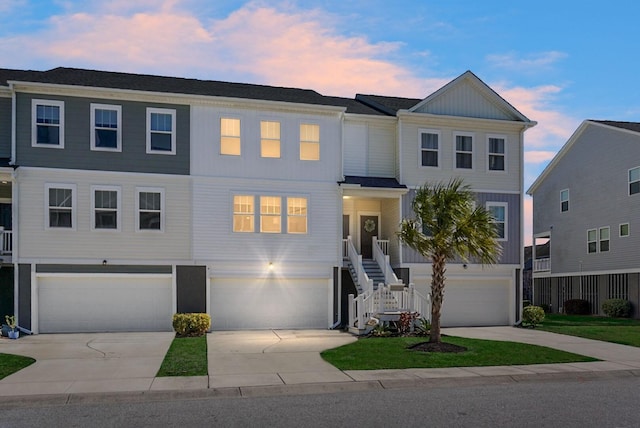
(356, 261)
(383, 261)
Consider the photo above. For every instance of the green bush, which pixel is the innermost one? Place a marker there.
(532, 315)
(546, 308)
(576, 307)
(189, 325)
(617, 308)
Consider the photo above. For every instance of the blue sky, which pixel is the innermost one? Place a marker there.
(558, 62)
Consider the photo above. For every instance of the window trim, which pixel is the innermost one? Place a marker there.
(239, 136)
(455, 149)
(118, 210)
(489, 154)
(505, 205)
(163, 208)
(563, 201)
(600, 240)
(269, 215)
(172, 112)
(437, 132)
(306, 215)
(620, 235)
(301, 141)
(34, 123)
(118, 110)
(629, 182)
(278, 140)
(67, 186)
(234, 213)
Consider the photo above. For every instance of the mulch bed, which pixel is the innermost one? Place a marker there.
(437, 347)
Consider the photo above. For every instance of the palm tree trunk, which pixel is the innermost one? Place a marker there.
(437, 294)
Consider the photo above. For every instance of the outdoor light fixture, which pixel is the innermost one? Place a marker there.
(104, 263)
(270, 265)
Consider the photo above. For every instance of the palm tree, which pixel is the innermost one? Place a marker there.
(448, 226)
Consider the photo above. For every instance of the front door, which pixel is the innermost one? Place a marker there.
(368, 229)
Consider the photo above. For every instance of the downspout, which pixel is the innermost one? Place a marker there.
(14, 115)
(521, 278)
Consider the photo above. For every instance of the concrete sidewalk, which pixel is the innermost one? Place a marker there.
(248, 363)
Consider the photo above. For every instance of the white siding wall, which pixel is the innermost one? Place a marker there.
(370, 148)
(40, 244)
(355, 149)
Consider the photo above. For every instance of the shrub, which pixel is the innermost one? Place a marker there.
(617, 308)
(546, 308)
(405, 321)
(189, 325)
(423, 327)
(532, 315)
(576, 307)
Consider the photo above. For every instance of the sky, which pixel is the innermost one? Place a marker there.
(558, 62)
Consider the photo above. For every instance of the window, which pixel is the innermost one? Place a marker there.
(592, 241)
(464, 151)
(297, 215)
(634, 181)
(270, 214)
(564, 200)
(230, 136)
(309, 142)
(161, 131)
(429, 148)
(149, 207)
(106, 208)
(499, 212)
(243, 213)
(270, 139)
(106, 131)
(603, 237)
(624, 230)
(496, 152)
(60, 206)
(47, 124)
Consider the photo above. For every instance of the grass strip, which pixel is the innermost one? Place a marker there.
(392, 353)
(187, 356)
(624, 331)
(9, 364)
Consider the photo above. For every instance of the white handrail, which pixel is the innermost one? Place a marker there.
(383, 261)
(7, 242)
(542, 265)
(345, 248)
(356, 261)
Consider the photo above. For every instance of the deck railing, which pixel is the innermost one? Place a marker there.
(542, 265)
(382, 258)
(7, 242)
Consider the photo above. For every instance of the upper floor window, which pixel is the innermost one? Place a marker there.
(243, 213)
(106, 128)
(464, 151)
(309, 142)
(106, 207)
(269, 139)
(564, 200)
(229, 136)
(60, 200)
(598, 240)
(592, 240)
(296, 215)
(47, 124)
(497, 151)
(499, 212)
(270, 213)
(603, 238)
(161, 131)
(429, 148)
(634, 180)
(150, 209)
(624, 230)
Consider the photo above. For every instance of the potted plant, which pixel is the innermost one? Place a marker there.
(11, 322)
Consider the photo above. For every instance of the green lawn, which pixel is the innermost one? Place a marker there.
(10, 364)
(616, 330)
(187, 356)
(393, 353)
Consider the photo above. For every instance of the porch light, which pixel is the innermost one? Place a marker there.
(104, 263)
(270, 266)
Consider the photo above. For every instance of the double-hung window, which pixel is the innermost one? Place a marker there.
(106, 207)
(296, 215)
(60, 203)
(269, 139)
(243, 213)
(603, 239)
(598, 240)
(564, 200)
(150, 209)
(592, 241)
(106, 127)
(309, 142)
(161, 131)
(230, 136)
(270, 214)
(464, 151)
(634, 180)
(497, 150)
(429, 148)
(499, 212)
(47, 124)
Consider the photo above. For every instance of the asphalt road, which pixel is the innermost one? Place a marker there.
(591, 403)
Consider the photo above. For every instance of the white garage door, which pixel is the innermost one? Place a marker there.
(105, 303)
(254, 303)
(476, 303)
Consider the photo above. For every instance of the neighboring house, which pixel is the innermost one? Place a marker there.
(586, 204)
(131, 197)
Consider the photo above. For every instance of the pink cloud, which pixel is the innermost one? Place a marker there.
(538, 156)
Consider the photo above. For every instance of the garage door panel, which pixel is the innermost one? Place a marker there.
(82, 304)
(268, 303)
(476, 303)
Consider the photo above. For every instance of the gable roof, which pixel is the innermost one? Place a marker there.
(387, 105)
(631, 126)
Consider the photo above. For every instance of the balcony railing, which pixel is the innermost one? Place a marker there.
(542, 265)
(7, 242)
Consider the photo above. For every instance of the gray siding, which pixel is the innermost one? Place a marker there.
(77, 153)
(510, 248)
(5, 127)
(595, 170)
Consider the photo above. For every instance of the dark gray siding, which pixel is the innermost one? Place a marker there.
(510, 248)
(5, 127)
(191, 289)
(102, 269)
(77, 153)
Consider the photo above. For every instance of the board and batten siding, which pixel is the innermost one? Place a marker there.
(510, 248)
(595, 170)
(77, 153)
(83, 245)
(5, 127)
(206, 159)
(370, 148)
